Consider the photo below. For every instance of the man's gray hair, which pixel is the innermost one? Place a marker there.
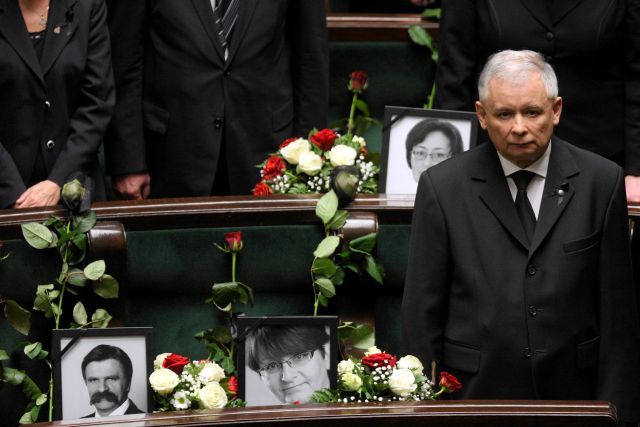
(516, 66)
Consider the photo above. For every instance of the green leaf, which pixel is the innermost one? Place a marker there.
(432, 13)
(220, 334)
(100, 318)
(80, 314)
(37, 235)
(363, 244)
(362, 337)
(338, 220)
(338, 277)
(363, 107)
(228, 365)
(327, 247)
(420, 36)
(324, 301)
(3, 355)
(13, 376)
(17, 316)
(26, 418)
(107, 287)
(33, 350)
(353, 267)
(80, 241)
(85, 222)
(77, 278)
(373, 269)
(95, 270)
(323, 267)
(326, 287)
(327, 206)
(41, 400)
(42, 301)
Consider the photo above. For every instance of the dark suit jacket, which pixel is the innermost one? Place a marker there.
(557, 320)
(593, 45)
(66, 100)
(132, 409)
(177, 94)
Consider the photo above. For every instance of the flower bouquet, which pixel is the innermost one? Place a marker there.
(179, 384)
(309, 165)
(381, 377)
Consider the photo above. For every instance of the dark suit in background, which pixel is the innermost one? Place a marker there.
(57, 107)
(179, 101)
(593, 46)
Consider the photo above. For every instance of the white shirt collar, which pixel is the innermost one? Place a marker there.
(120, 410)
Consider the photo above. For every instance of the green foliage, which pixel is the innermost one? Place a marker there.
(421, 37)
(352, 335)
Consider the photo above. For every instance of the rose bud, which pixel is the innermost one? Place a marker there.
(233, 241)
(449, 382)
(358, 81)
(344, 182)
(76, 193)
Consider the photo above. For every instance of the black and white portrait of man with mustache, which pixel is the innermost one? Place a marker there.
(107, 372)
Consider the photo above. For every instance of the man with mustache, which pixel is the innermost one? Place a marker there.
(107, 372)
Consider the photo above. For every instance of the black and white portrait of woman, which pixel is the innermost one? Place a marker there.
(416, 139)
(286, 363)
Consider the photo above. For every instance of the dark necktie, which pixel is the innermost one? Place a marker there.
(523, 206)
(226, 15)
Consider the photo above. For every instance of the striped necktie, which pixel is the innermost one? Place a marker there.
(226, 14)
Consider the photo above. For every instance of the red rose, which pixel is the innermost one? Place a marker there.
(358, 81)
(233, 241)
(297, 402)
(449, 382)
(261, 189)
(273, 167)
(175, 362)
(379, 359)
(287, 142)
(232, 385)
(324, 139)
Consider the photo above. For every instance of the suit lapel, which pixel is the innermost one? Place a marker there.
(205, 13)
(60, 30)
(561, 168)
(245, 15)
(538, 9)
(14, 30)
(562, 8)
(494, 192)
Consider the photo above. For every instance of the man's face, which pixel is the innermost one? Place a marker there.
(107, 385)
(296, 381)
(519, 118)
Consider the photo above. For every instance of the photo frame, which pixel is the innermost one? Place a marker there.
(308, 345)
(405, 127)
(72, 347)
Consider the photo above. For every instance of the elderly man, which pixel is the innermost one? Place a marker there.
(519, 277)
(107, 371)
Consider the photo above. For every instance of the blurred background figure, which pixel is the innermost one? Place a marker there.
(430, 142)
(56, 97)
(593, 46)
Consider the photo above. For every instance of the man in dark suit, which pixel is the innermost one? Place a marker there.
(206, 89)
(107, 371)
(524, 291)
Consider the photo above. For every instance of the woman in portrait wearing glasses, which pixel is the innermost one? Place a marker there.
(292, 361)
(430, 142)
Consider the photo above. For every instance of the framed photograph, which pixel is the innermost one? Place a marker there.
(283, 360)
(103, 371)
(414, 139)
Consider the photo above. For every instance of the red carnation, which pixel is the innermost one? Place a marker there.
(324, 139)
(287, 142)
(175, 362)
(261, 189)
(233, 241)
(379, 359)
(273, 167)
(449, 382)
(232, 385)
(358, 81)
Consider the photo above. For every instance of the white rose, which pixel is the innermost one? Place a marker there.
(211, 372)
(163, 381)
(402, 382)
(372, 350)
(310, 163)
(292, 152)
(412, 363)
(157, 363)
(351, 381)
(212, 396)
(342, 155)
(345, 366)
